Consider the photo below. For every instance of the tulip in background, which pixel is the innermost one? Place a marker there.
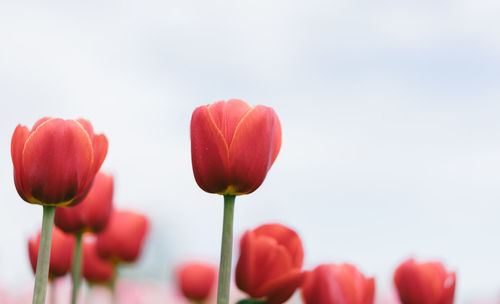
(196, 281)
(233, 146)
(428, 283)
(61, 253)
(93, 212)
(95, 269)
(270, 263)
(123, 238)
(337, 284)
(54, 165)
(90, 215)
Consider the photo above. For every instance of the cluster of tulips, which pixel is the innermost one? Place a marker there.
(233, 146)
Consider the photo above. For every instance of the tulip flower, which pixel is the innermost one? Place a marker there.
(233, 146)
(428, 283)
(91, 215)
(61, 252)
(270, 263)
(196, 281)
(96, 270)
(337, 284)
(54, 165)
(123, 238)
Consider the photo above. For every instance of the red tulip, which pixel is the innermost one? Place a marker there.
(196, 281)
(123, 237)
(233, 146)
(428, 283)
(95, 269)
(337, 284)
(55, 162)
(92, 213)
(270, 263)
(61, 252)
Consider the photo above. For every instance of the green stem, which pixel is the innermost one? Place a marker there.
(226, 251)
(112, 286)
(43, 260)
(77, 267)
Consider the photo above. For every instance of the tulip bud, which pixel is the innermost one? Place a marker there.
(428, 283)
(337, 284)
(123, 238)
(233, 146)
(196, 281)
(55, 162)
(92, 213)
(270, 263)
(61, 252)
(96, 270)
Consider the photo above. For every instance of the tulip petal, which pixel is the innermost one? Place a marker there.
(282, 288)
(424, 283)
(227, 115)
(19, 137)
(254, 145)
(448, 289)
(285, 237)
(70, 219)
(57, 157)
(369, 291)
(87, 126)
(245, 267)
(273, 260)
(209, 152)
(39, 122)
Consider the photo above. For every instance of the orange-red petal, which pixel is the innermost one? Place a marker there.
(285, 237)
(209, 152)
(19, 137)
(57, 157)
(255, 143)
(227, 115)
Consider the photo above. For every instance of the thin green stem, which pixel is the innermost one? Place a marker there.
(77, 267)
(112, 286)
(43, 260)
(226, 251)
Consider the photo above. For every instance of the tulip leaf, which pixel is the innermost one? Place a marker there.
(251, 301)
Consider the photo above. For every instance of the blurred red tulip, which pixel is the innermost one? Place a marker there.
(196, 281)
(123, 238)
(337, 284)
(95, 269)
(428, 283)
(61, 252)
(270, 263)
(55, 162)
(233, 146)
(92, 213)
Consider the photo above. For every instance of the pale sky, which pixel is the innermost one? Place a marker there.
(390, 114)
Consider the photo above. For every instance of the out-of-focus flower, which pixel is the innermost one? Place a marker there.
(233, 146)
(95, 270)
(55, 162)
(428, 283)
(196, 280)
(270, 263)
(337, 284)
(92, 213)
(123, 238)
(61, 252)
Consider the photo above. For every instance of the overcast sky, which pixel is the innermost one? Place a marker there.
(390, 114)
